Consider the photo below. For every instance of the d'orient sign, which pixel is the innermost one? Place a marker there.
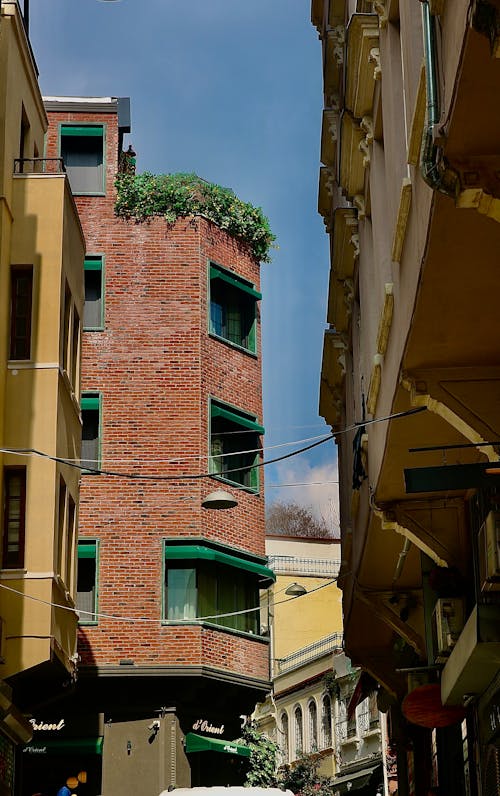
(42, 725)
(202, 725)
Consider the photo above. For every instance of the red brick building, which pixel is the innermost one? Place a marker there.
(171, 391)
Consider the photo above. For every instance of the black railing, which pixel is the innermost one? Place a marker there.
(39, 166)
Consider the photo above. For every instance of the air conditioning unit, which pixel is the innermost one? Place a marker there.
(448, 621)
(488, 541)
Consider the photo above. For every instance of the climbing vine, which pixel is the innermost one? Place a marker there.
(142, 196)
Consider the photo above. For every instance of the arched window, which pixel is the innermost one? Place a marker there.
(313, 726)
(326, 722)
(299, 732)
(284, 739)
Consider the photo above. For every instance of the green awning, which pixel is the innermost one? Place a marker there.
(225, 276)
(87, 549)
(198, 743)
(187, 551)
(89, 403)
(65, 746)
(92, 264)
(86, 129)
(234, 417)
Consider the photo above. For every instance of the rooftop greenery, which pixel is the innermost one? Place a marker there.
(142, 196)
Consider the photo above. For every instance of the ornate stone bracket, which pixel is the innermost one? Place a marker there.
(354, 241)
(359, 203)
(338, 36)
(366, 125)
(374, 58)
(380, 9)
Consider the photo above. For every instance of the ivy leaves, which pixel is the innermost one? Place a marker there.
(142, 196)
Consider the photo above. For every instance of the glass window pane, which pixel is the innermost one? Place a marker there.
(181, 594)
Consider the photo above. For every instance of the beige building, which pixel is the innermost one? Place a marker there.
(410, 196)
(306, 714)
(41, 301)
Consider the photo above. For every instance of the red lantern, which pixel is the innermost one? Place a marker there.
(423, 706)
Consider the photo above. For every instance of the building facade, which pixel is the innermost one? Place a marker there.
(171, 654)
(306, 715)
(409, 193)
(41, 304)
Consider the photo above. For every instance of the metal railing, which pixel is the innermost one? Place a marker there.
(309, 653)
(292, 565)
(39, 166)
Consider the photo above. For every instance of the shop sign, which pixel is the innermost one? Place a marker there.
(202, 725)
(47, 726)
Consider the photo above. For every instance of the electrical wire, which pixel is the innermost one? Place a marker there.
(144, 619)
(223, 473)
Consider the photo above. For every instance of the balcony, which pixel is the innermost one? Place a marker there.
(310, 653)
(293, 565)
(39, 166)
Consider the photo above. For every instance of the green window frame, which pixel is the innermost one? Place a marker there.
(83, 150)
(202, 581)
(93, 310)
(91, 409)
(232, 308)
(87, 581)
(234, 443)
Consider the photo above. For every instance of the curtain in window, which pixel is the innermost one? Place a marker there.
(326, 722)
(313, 727)
(299, 733)
(182, 594)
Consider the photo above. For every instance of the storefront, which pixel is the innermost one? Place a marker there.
(57, 756)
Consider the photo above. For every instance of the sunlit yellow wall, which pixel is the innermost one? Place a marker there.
(39, 401)
(300, 621)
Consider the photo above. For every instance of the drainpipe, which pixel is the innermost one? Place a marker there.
(401, 560)
(434, 169)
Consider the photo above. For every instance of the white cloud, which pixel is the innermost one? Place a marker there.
(312, 488)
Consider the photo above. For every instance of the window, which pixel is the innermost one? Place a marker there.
(82, 149)
(313, 726)
(75, 351)
(232, 433)
(61, 527)
(233, 308)
(203, 581)
(299, 732)
(86, 582)
(93, 316)
(14, 497)
(284, 738)
(91, 431)
(326, 722)
(66, 328)
(21, 292)
(69, 573)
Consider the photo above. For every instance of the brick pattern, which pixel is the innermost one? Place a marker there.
(155, 366)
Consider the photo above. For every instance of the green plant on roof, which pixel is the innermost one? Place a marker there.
(142, 196)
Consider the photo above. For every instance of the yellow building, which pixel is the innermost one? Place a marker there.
(41, 303)
(302, 613)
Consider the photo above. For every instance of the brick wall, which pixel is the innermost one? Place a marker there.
(156, 366)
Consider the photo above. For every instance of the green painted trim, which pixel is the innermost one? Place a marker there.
(103, 134)
(96, 262)
(200, 552)
(220, 411)
(66, 746)
(83, 130)
(91, 543)
(198, 743)
(216, 272)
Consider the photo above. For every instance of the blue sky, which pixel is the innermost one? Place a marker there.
(231, 90)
